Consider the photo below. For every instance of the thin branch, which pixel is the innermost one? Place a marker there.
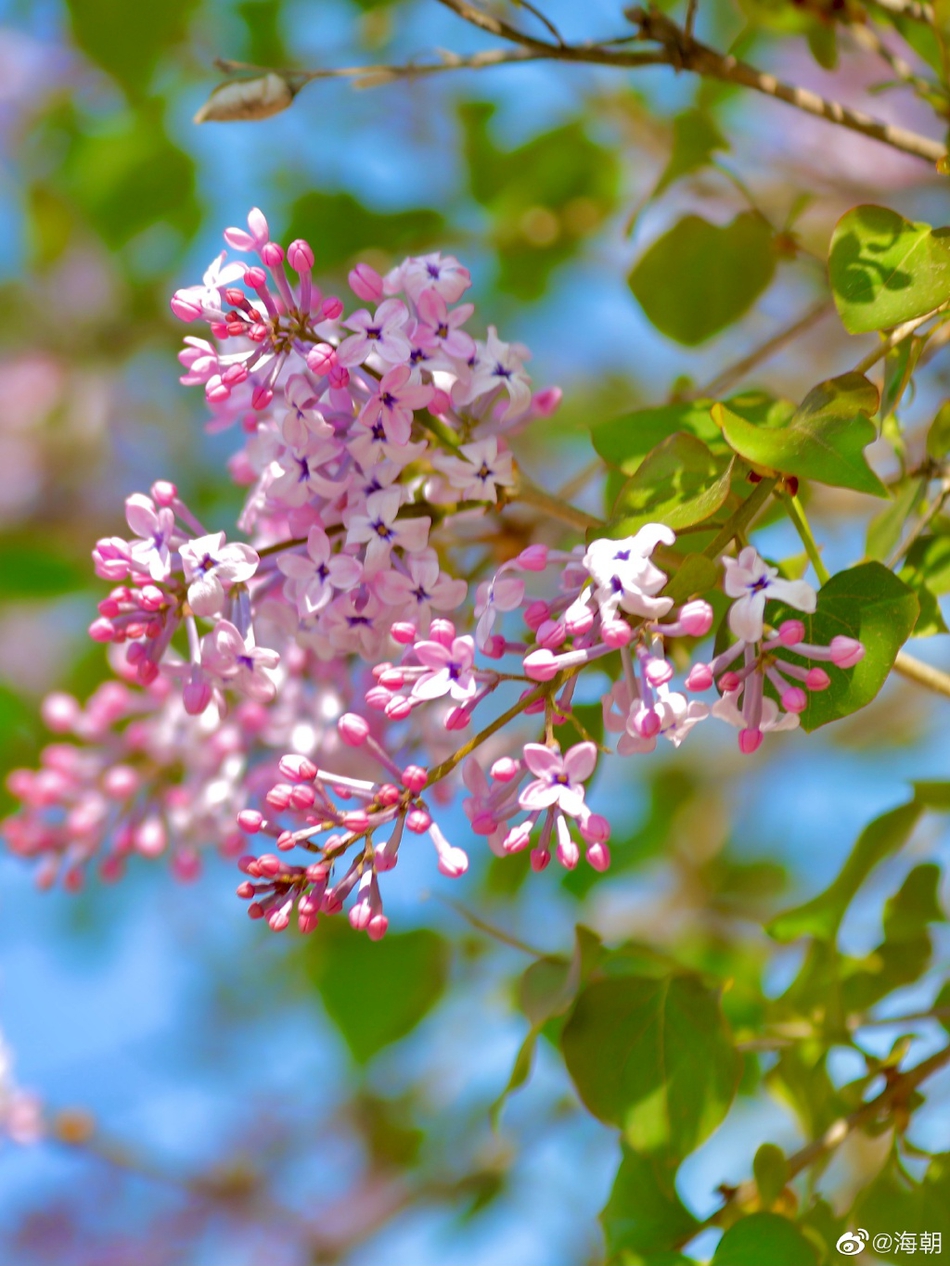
(489, 929)
(897, 335)
(701, 59)
(545, 22)
(904, 547)
(678, 49)
(898, 1090)
(916, 10)
(923, 674)
(530, 494)
(742, 517)
(735, 373)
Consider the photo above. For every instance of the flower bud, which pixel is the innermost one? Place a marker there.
(366, 283)
(300, 256)
(749, 741)
(414, 777)
(696, 618)
(353, 729)
(272, 254)
(846, 651)
(700, 677)
(541, 665)
(536, 613)
(505, 768)
(817, 679)
(534, 558)
(794, 699)
(791, 632)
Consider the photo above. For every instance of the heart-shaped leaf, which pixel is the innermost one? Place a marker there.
(885, 270)
(680, 483)
(824, 439)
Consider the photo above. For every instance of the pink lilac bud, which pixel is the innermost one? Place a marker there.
(150, 837)
(101, 630)
(331, 308)
(578, 619)
(646, 722)
(398, 708)
(534, 558)
(545, 403)
(541, 665)
(817, 679)
(700, 677)
(696, 618)
(300, 256)
(458, 718)
(388, 795)
(418, 820)
(261, 398)
(377, 697)
(196, 692)
(120, 782)
(518, 837)
(272, 255)
(60, 712)
(495, 647)
(658, 672)
(414, 777)
(551, 634)
(440, 403)
(536, 613)
(321, 359)
(453, 861)
(749, 741)
(366, 283)
(443, 632)
(540, 859)
(250, 821)
(163, 492)
(794, 699)
(595, 829)
(729, 681)
(616, 633)
(185, 306)
(598, 856)
(279, 796)
(505, 768)
(404, 633)
(791, 632)
(846, 651)
(303, 796)
(353, 729)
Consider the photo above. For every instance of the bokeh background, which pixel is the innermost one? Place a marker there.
(242, 1107)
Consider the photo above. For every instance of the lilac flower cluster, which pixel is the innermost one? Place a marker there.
(259, 681)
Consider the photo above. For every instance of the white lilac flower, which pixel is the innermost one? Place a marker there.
(751, 582)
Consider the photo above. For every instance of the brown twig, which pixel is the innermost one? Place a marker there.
(923, 674)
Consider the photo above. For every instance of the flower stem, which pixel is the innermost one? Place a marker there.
(742, 517)
(795, 511)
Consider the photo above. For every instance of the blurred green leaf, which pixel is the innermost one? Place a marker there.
(376, 992)
(129, 176)
(824, 439)
(926, 570)
(938, 436)
(771, 1173)
(696, 138)
(699, 278)
(34, 567)
(679, 483)
(885, 270)
(127, 40)
(644, 1215)
(761, 1238)
(265, 41)
(339, 227)
(886, 528)
(625, 441)
(893, 1202)
(821, 916)
(652, 1056)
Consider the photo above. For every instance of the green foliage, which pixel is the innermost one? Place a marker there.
(869, 603)
(885, 270)
(129, 176)
(376, 992)
(33, 566)
(339, 227)
(821, 916)
(127, 40)
(625, 441)
(938, 436)
(644, 1215)
(926, 570)
(824, 439)
(679, 483)
(761, 1238)
(895, 1202)
(699, 278)
(543, 197)
(696, 138)
(652, 1056)
(265, 42)
(771, 1173)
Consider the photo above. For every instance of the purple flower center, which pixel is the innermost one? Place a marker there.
(374, 332)
(500, 371)
(758, 585)
(382, 530)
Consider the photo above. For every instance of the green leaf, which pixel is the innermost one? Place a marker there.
(131, 176)
(695, 139)
(376, 992)
(771, 1173)
(695, 575)
(869, 603)
(894, 1203)
(653, 1056)
(824, 439)
(624, 442)
(938, 437)
(644, 1215)
(764, 1238)
(339, 227)
(34, 567)
(680, 483)
(886, 528)
(885, 270)
(821, 916)
(127, 39)
(699, 278)
(926, 570)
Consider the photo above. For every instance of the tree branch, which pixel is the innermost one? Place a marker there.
(924, 675)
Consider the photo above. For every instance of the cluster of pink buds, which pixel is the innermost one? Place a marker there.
(758, 653)
(338, 819)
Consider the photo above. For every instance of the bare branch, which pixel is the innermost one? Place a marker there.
(923, 674)
(916, 10)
